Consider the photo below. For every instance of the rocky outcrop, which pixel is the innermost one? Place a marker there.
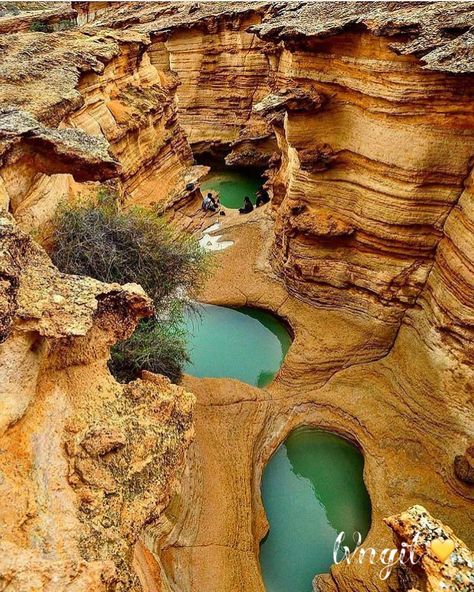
(136, 112)
(99, 90)
(441, 560)
(55, 150)
(86, 462)
(52, 16)
(439, 35)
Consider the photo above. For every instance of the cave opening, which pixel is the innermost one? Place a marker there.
(230, 182)
(232, 185)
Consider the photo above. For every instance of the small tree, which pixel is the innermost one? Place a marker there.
(134, 246)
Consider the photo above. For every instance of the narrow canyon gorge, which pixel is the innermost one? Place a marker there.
(360, 118)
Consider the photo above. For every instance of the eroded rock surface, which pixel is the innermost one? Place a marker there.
(86, 462)
(364, 115)
(102, 91)
(409, 408)
(418, 529)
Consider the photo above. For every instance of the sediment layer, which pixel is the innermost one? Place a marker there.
(98, 90)
(363, 115)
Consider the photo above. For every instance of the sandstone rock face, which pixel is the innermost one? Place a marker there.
(355, 227)
(116, 116)
(375, 171)
(408, 405)
(371, 237)
(363, 114)
(223, 69)
(86, 463)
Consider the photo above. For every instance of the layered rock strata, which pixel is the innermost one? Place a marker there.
(98, 90)
(358, 217)
(223, 69)
(86, 462)
(368, 179)
(410, 411)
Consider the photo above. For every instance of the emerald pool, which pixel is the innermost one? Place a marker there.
(232, 186)
(312, 489)
(246, 343)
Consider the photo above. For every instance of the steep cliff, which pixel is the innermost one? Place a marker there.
(115, 108)
(369, 176)
(364, 115)
(223, 69)
(86, 463)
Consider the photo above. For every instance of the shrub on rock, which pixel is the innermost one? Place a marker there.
(135, 245)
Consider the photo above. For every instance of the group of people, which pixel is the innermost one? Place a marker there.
(212, 203)
(262, 198)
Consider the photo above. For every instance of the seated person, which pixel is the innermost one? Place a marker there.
(262, 197)
(209, 203)
(247, 206)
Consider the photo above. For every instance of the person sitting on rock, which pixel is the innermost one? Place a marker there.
(262, 197)
(209, 203)
(247, 206)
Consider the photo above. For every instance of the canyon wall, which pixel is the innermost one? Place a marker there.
(89, 110)
(361, 114)
(86, 462)
(364, 115)
(369, 178)
(222, 68)
(372, 229)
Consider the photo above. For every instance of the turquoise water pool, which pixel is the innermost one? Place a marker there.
(312, 489)
(232, 186)
(245, 343)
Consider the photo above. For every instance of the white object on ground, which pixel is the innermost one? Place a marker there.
(212, 228)
(212, 243)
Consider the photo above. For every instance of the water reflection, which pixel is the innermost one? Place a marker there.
(312, 489)
(247, 344)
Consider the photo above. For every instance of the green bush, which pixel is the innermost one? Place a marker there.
(157, 346)
(66, 24)
(135, 246)
(39, 27)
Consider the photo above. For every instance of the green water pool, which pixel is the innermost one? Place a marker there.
(232, 186)
(312, 489)
(246, 343)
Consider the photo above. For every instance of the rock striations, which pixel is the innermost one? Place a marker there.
(101, 91)
(362, 115)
